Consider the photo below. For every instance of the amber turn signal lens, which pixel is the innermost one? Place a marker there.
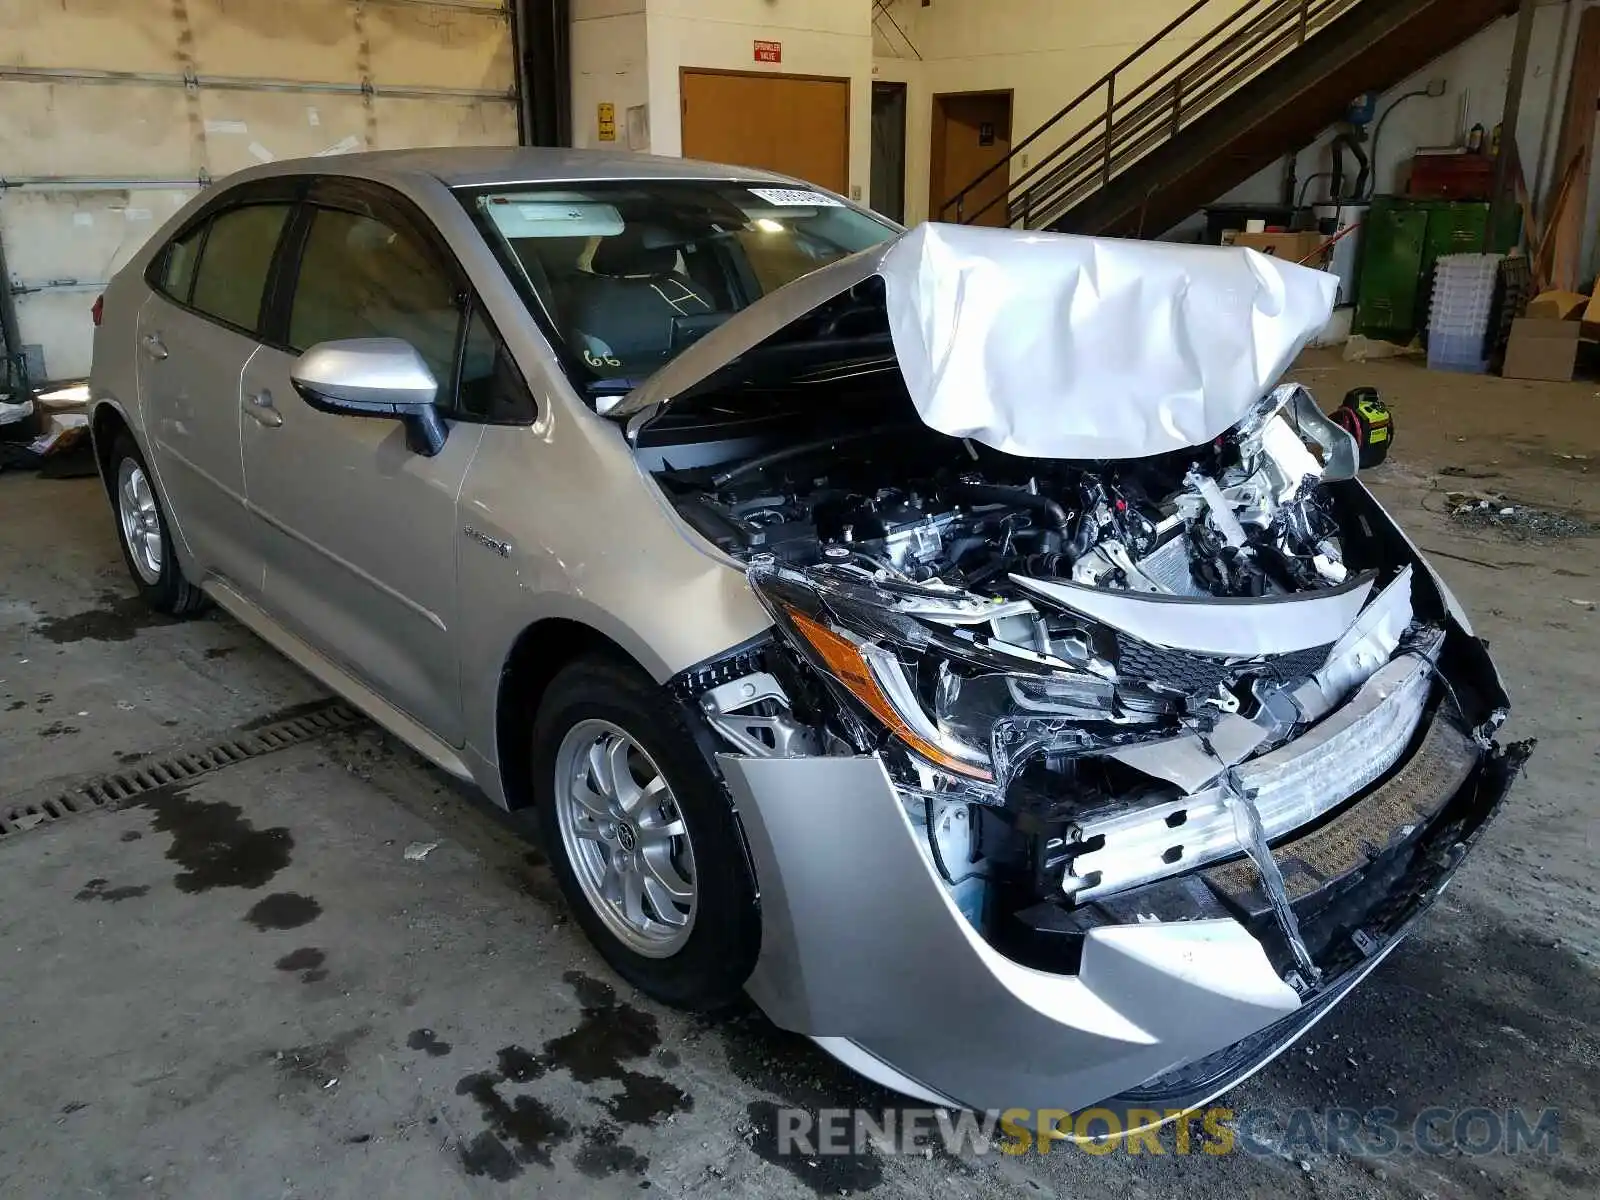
(845, 663)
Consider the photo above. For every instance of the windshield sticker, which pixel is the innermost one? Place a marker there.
(792, 197)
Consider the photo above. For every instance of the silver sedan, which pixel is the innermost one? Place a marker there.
(950, 638)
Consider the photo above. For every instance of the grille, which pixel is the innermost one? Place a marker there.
(1194, 674)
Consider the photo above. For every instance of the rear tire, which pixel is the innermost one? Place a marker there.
(675, 914)
(144, 533)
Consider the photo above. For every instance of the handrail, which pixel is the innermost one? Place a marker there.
(1080, 98)
(1133, 128)
(1129, 125)
(1116, 102)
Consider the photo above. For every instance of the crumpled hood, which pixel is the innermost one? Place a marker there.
(1055, 346)
(1051, 346)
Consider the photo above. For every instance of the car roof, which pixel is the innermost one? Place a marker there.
(469, 166)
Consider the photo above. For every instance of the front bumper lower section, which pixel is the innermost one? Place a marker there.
(864, 950)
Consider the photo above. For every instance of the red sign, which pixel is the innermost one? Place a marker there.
(769, 52)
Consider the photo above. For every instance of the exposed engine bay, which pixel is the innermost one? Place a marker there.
(1243, 517)
(1084, 677)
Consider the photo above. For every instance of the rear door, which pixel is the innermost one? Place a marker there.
(359, 531)
(194, 336)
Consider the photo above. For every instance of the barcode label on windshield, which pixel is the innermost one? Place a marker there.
(787, 197)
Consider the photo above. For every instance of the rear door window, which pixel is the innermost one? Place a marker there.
(234, 262)
(361, 278)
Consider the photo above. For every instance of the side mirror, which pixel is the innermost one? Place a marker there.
(373, 377)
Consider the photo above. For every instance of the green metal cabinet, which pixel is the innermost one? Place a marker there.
(1403, 240)
(1391, 269)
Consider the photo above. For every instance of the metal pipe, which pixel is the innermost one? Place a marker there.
(1508, 122)
(93, 183)
(491, 9)
(24, 288)
(239, 83)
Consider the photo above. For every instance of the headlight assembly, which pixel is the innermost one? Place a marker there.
(933, 671)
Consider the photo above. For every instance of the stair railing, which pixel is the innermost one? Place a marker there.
(1131, 109)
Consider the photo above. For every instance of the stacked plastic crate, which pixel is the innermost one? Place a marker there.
(1458, 317)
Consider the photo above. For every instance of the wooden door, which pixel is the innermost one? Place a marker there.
(795, 124)
(971, 133)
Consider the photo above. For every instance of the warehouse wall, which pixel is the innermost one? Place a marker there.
(610, 65)
(114, 112)
(630, 52)
(819, 37)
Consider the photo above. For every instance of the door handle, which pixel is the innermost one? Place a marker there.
(258, 405)
(154, 346)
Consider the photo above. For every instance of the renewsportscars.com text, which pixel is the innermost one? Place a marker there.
(1365, 1133)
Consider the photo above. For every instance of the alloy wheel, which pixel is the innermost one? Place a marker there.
(625, 839)
(140, 520)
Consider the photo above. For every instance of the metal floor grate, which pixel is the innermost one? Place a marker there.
(181, 766)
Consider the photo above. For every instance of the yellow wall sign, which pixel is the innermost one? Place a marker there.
(608, 122)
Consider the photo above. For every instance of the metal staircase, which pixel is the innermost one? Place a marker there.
(1217, 94)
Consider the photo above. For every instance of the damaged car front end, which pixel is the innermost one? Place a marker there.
(1108, 730)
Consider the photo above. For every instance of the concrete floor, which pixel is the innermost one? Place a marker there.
(243, 988)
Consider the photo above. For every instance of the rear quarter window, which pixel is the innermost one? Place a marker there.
(175, 278)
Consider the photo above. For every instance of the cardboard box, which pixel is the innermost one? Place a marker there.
(1542, 349)
(1289, 246)
(1557, 306)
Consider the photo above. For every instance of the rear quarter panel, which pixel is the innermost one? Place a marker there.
(114, 369)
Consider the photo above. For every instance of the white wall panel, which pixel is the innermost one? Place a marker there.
(111, 35)
(269, 79)
(439, 122)
(119, 131)
(440, 47)
(284, 39)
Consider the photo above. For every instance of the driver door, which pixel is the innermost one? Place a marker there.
(357, 529)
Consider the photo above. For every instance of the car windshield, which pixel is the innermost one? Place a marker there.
(628, 274)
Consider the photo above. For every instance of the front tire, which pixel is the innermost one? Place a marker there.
(144, 534)
(642, 837)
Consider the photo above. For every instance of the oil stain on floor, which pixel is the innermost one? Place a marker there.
(117, 619)
(214, 843)
(307, 959)
(428, 1042)
(99, 889)
(525, 1130)
(283, 910)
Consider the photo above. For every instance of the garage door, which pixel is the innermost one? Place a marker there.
(794, 124)
(113, 112)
